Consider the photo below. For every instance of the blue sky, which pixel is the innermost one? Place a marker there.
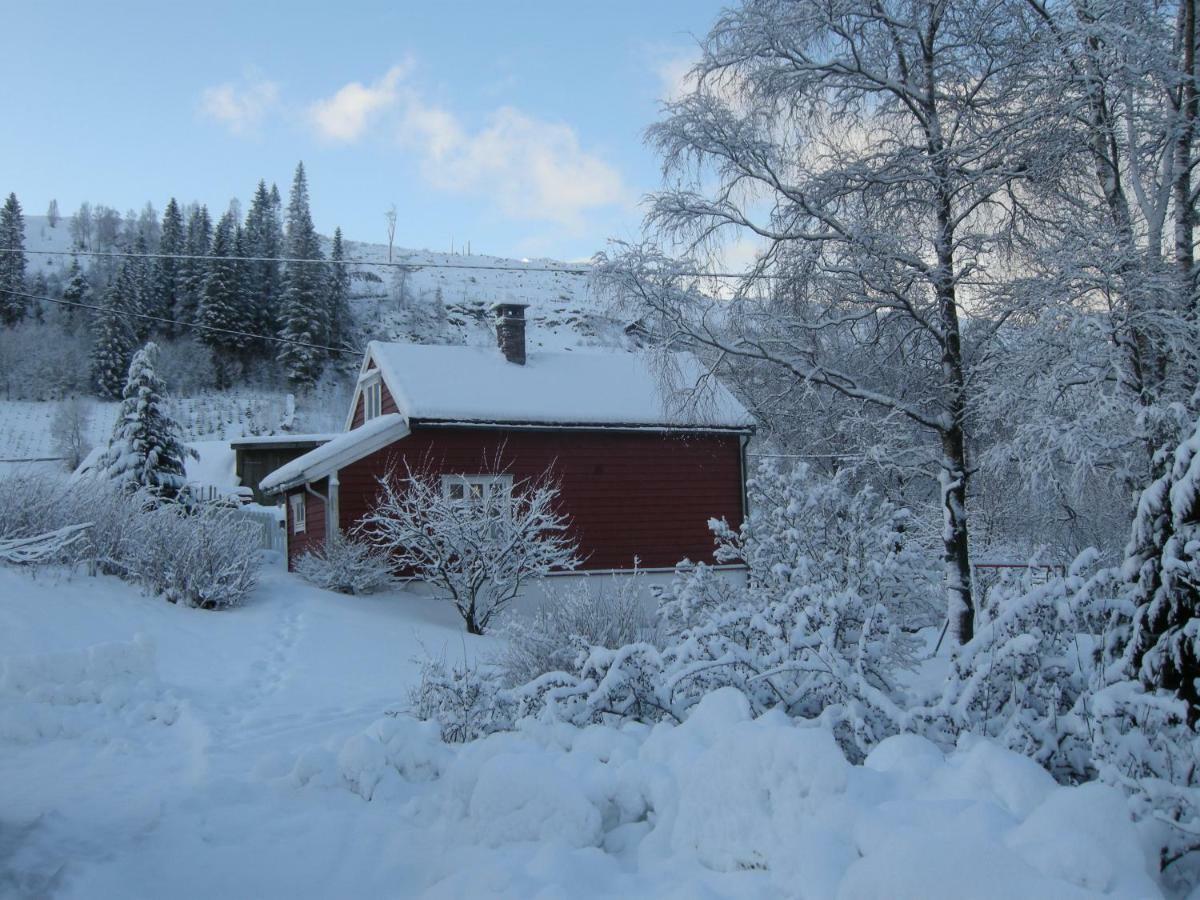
(517, 126)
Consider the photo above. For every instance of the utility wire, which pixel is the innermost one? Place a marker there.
(165, 321)
(560, 270)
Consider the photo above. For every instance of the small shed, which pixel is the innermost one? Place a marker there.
(258, 456)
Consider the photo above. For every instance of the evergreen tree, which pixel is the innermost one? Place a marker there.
(338, 293)
(194, 270)
(221, 304)
(78, 290)
(263, 242)
(1162, 565)
(168, 271)
(304, 319)
(141, 287)
(12, 262)
(146, 449)
(115, 338)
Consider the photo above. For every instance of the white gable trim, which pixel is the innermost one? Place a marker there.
(368, 371)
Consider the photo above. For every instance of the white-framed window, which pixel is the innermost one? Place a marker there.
(372, 399)
(477, 488)
(297, 505)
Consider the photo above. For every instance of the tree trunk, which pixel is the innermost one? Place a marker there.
(1188, 108)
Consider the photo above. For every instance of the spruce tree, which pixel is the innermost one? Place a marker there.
(141, 279)
(168, 270)
(262, 242)
(194, 270)
(1162, 566)
(12, 262)
(304, 319)
(338, 293)
(146, 450)
(78, 290)
(221, 303)
(114, 340)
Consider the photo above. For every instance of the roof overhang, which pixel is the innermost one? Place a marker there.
(323, 461)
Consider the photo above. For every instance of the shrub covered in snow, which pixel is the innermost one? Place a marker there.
(1026, 677)
(477, 550)
(592, 612)
(348, 565)
(460, 699)
(815, 630)
(205, 556)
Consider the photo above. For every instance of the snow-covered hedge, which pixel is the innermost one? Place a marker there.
(732, 804)
(347, 565)
(205, 556)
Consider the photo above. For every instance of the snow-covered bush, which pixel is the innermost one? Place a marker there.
(463, 701)
(206, 557)
(818, 629)
(477, 551)
(347, 565)
(591, 612)
(1026, 677)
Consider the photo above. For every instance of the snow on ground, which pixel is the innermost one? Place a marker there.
(152, 751)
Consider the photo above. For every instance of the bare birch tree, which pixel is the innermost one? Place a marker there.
(880, 152)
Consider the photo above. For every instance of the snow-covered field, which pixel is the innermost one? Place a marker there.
(148, 750)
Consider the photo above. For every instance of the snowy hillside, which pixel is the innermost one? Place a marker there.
(447, 298)
(150, 750)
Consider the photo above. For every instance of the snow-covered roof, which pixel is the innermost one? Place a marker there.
(477, 384)
(268, 440)
(340, 451)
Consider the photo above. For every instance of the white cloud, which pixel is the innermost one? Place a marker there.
(675, 75)
(344, 116)
(240, 107)
(530, 168)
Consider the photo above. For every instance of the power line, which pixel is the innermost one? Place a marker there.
(559, 270)
(166, 321)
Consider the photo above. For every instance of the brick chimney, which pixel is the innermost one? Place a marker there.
(510, 330)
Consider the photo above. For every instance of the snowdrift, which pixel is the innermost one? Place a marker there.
(736, 805)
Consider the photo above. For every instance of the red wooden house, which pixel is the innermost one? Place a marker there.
(644, 453)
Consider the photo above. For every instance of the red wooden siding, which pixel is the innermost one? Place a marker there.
(313, 535)
(386, 405)
(629, 495)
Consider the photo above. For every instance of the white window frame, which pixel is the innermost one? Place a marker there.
(372, 394)
(298, 510)
(480, 485)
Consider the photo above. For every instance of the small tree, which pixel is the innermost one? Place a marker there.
(476, 551)
(146, 449)
(52, 214)
(69, 429)
(12, 262)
